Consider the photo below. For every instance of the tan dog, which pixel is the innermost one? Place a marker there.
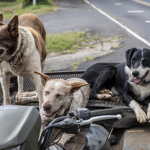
(59, 96)
(22, 51)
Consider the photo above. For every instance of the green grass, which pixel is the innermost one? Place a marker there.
(52, 69)
(66, 42)
(91, 45)
(116, 38)
(116, 45)
(88, 58)
(9, 8)
(69, 42)
(75, 65)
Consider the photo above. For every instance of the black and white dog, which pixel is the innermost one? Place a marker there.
(131, 80)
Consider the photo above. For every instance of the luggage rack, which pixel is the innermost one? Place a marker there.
(29, 86)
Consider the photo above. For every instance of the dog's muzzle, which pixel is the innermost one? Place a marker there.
(135, 73)
(137, 79)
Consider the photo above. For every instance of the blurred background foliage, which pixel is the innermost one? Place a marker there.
(26, 3)
(11, 7)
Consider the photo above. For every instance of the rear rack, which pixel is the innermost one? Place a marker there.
(29, 86)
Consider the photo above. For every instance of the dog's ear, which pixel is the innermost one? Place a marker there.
(12, 26)
(129, 54)
(76, 85)
(1, 17)
(44, 76)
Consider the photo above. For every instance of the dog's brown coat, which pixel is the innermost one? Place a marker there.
(22, 51)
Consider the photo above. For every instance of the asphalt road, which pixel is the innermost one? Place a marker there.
(135, 16)
(78, 15)
(131, 14)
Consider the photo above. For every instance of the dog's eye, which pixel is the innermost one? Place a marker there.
(145, 61)
(58, 95)
(134, 60)
(1, 51)
(46, 93)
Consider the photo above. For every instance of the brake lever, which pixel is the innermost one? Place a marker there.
(99, 118)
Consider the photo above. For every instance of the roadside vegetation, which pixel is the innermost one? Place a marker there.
(75, 65)
(11, 7)
(68, 42)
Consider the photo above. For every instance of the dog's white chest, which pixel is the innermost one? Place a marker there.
(141, 92)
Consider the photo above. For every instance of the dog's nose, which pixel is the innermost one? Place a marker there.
(46, 107)
(135, 73)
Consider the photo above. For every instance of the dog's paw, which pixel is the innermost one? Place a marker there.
(141, 116)
(19, 98)
(61, 143)
(106, 92)
(26, 94)
(17, 95)
(103, 96)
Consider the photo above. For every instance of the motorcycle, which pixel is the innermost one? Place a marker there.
(20, 128)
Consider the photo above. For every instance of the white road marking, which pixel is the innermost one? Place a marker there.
(135, 11)
(120, 24)
(147, 21)
(141, 2)
(118, 4)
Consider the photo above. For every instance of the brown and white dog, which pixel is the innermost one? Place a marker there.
(22, 51)
(59, 96)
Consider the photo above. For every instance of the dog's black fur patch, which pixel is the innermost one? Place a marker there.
(93, 76)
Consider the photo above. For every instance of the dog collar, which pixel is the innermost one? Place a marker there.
(19, 62)
(14, 66)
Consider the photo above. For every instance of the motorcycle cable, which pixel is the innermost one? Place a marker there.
(47, 132)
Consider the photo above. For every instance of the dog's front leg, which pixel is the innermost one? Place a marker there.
(36, 79)
(140, 114)
(20, 84)
(128, 99)
(5, 81)
(147, 102)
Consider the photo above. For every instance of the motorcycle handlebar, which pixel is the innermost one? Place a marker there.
(99, 118)
(85, 113)
(71, 123)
